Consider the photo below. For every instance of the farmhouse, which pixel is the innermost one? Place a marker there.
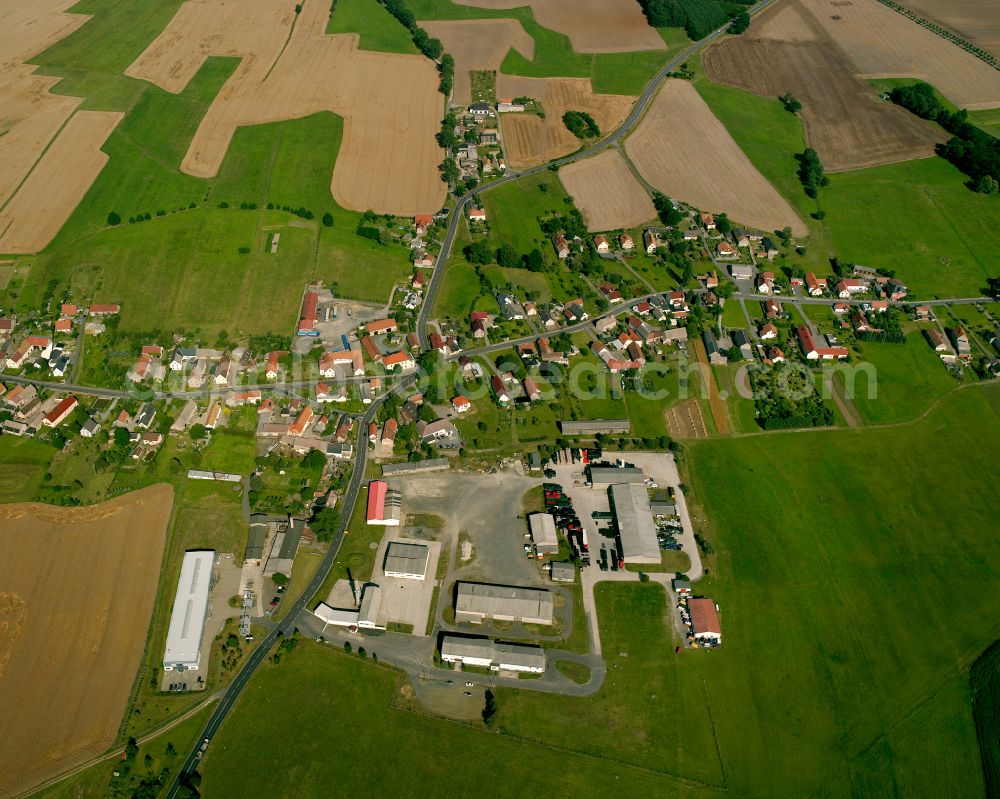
(104, 309)
(406, 560)
(187, 620)
(385, 505)
(477, 214)
(850, 286)
(630, 503)
(58, 415)
(308, 318)
(401, 359)
(815, 285)
(483, 653)
(705, 621)
(543, 533)
(382, 326)
(477, 602)
(813, 352)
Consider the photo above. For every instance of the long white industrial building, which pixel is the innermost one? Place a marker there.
(187, 621)
(491, 655)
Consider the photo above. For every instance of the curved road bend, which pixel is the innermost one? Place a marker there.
(350, 496)
(623, 130)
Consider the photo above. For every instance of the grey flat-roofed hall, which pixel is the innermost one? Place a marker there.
(406, 560)
(476, 602)
(630, 503)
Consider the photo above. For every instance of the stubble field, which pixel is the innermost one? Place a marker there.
(291, 69)
(593, 26)
(607, 194)
(480, 44)
(845, 123)
(77, 595)
(531, 140)
(883, 43)
(978, 21)
(682, 149)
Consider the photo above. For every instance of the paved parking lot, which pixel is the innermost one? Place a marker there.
(406, 601)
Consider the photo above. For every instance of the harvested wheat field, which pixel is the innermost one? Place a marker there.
(76, 596)
(607, 193)
(57, 183)
(845, 121)
(682, 149)
(531, 140)
(477, 44)
(390, 104)
(30, 116)
(686, 420)
(976, 21)
(593, 26)
(883, 43)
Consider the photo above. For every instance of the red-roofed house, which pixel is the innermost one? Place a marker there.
(58, 414)
(626, 242)
(63, 326)
(500, 390)
(389, 432)
(477, 214)
(768, 332)
(299, 426)
(382, 326)
(402, 359)
(601, 244)
(705, 620)
(776, 355)
(104, 309)
(68, 310)
(815, 285)
(850, 286)
(460, 404)
(815, 353)
(422, 222)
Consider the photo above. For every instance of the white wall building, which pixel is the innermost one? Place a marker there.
(187, 621)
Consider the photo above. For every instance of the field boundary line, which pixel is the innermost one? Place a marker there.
(945, 33)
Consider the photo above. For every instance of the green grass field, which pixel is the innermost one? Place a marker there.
(850, 619)
(908, 379)
(915, 217)
(610, 73)
(23, 462)
(378, 29)
(513, 210)
(984, 679)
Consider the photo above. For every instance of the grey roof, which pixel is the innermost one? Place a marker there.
(663, 508)
(711, 345)
(406, 558)
(563, 571)
(635, 523)
(415, 466)
(608, 475)
(583, 427)
(504, 600)
(543, 530)
(256, 537)
(502, 655)
(740, 338)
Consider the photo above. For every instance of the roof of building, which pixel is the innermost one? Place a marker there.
(563, 571)
(187, 620)
(371, 600)
(256, 537)
(505, 600)
(613, 474)
(402, 557)
(704, 616)
(502, 655)
(543, 529)
(595, 425)
(635, 522)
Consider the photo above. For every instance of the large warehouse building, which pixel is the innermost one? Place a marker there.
(187, 621)
(385, 506)
(403, 559)
(591, 427)
(484, 653)
(543, 533)
(630, 503)
(604, 476)
(477, 602)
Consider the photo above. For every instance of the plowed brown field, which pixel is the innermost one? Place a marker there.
(607, 193)
(593, 26)
(76, 595)
(530, 140)
(977, 21)
(845, 122)
(478, 44)
(682, 149)
(883, 43)
(391, 108)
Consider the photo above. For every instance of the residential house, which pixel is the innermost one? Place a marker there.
(765, 282)
(601, 245)
(768, 332)
(389, 432)
(612, 294)
(651, 241)
(531, 390)
(626, 243)
(422, 222)
(479, 109)
(89, 428)
(144, 418)
(960, 340)
(815, 285)
(477, 214)
(936, 340)
(775, 355)
(63, 326)
(772, 309)
(58, 415)
(768, 248)
(814, 352)
(715, 355)
(895, 290)
(840, 308)
(499, 390)
(708, 221)
(381, 326)
(740, 238)
(460, 404)
(421, 260)
(402, 359)
(561, 246)
(725, 250)
(849, 286)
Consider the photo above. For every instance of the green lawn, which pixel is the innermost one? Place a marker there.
(915, 217)
(513, 211)
(908, 378)
(379, 30)
(23, 462)
(732, 314)
(610, 73)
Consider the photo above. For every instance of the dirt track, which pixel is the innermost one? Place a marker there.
(682, 149)
(530, 140)
(883, 43)
(388, 158)
(607, 193)
(78, 591)
(788, 51)
(478, 44)
(593, 26)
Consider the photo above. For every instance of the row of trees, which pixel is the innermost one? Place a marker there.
(425, 43)
(970, 149)
(481, 253)
(811, 172)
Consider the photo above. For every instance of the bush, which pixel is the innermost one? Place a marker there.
(328, 219)
(114, 219)
(581, 124)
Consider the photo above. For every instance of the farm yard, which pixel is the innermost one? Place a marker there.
(389, 101)
(593, 26)
(78, 590)
(683, 150)
(478, 44)
(787, 51)
(607, 193)
(531, 140)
